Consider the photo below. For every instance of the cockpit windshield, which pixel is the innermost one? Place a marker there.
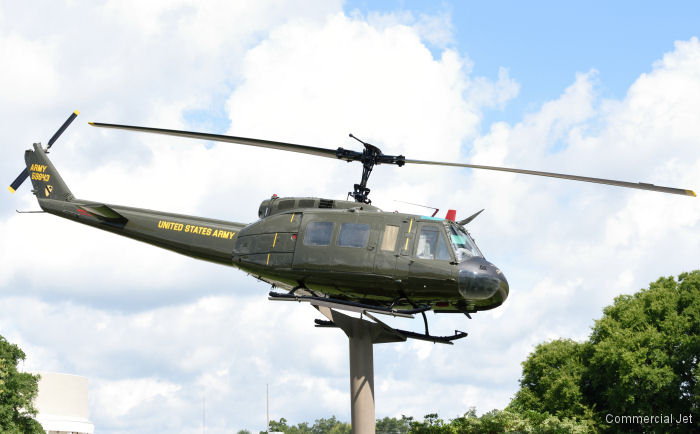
(463, 245)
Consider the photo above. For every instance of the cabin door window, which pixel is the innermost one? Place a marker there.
(431, 244)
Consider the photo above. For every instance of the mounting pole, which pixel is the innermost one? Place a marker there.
(361, 381)
(362, 335)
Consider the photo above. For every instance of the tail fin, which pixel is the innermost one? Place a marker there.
(46, 181)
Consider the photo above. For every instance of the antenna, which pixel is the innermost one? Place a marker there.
(422, 206)
(267, 388)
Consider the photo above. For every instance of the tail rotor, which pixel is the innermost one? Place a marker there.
(25, 173)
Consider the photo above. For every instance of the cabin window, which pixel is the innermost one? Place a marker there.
(389, 241)
(353, 235)
(431, 244)
(318, 234)
(285, 204)
(443, 252)
(463, 245)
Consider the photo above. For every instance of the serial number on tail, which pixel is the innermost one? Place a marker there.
(41, 176)
(39, 172)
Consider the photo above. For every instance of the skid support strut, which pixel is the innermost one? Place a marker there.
(362, 335)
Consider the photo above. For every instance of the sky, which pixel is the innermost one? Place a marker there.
(592, 89)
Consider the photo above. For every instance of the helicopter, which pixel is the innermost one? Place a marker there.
(341, 254)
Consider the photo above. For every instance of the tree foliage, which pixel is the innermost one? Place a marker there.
(495, 421)
(390, 425)
(17, 393)
(641, 360)
(321, 426)
(551, 380)
(500, 421)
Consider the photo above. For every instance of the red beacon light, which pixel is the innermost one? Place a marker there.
(451, 215)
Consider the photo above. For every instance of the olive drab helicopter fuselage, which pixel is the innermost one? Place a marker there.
(336, 253)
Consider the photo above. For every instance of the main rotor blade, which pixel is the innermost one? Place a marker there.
(320, 152)
(637, 185)
(348, 155)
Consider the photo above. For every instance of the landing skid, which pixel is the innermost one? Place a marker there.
(335, 303)
(402, 335)
(390, 334)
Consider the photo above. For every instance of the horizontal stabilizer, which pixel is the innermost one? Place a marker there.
(103, 212)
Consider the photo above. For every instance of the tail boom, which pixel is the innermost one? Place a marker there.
(198, 237)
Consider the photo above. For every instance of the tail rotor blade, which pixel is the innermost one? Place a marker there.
(62, 129)
(18, 181)
(25, 173)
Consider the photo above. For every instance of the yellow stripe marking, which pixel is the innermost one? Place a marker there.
(268, 259)
(275, 240)
(691, 193)
(410, 225)
(12, 190)
(76, 112)
(291, 219)
(91, 123)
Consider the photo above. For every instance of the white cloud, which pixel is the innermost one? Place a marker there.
(120, 397)
(31, 79)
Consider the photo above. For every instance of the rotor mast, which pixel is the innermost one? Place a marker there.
(370, 156)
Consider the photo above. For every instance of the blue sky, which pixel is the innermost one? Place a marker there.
(155, 331)
(545, 43)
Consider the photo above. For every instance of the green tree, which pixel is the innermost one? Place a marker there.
(642, 359)
(500, 421)
(280, 426)
(17, 393)
(432, 424)
(331, 426)
(645, 351)
(495, 422)
(390, 425)
(552, 379)
(321, 426)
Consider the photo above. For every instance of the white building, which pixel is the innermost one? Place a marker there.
(62, 404)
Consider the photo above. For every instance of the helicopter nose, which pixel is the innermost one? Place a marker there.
(479, 280)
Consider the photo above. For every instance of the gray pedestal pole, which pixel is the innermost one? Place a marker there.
(362, 335)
